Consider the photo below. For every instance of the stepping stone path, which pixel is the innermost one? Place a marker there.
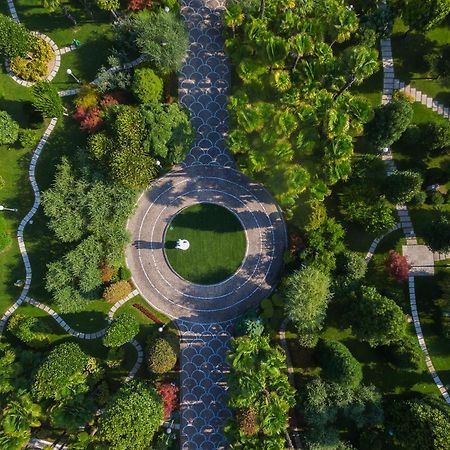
(420, 255)
(205, 314)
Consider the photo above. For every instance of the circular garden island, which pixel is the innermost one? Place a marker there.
(217, 243)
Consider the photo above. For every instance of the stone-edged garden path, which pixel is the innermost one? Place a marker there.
(412, 246)
(204, 314)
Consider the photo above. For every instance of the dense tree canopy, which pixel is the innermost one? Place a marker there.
(259, 389)
(131, 418)
(295, 107)
(437, 234)
(307, 294)
(422, 15)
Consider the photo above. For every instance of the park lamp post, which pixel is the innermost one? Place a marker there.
(161, 328)
(69, 72)
(4, 208)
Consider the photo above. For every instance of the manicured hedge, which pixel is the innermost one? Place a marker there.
(124, 328)
(162, 355)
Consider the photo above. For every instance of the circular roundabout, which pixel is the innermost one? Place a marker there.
(205, 243)
(253, 265)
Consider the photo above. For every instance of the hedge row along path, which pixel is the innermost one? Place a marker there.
(405, 221)
(205, 314)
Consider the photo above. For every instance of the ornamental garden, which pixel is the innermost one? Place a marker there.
(338, 111)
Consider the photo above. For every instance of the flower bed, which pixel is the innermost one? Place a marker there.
(148, 313)
(35, 66)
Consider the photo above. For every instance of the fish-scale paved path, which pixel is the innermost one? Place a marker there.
(204, 314)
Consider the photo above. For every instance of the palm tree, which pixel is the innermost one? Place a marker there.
(301, 45)
(234, 17)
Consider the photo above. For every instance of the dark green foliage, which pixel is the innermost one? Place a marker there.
(9, 129)
(27, 138)
(376, 319)
(131, 418)
(147, 86)
(324, 243)
(258, 383)
(419, 199)
(420, 423)
(389, 122)
(350, 270)
(124, 273)
(402, 186)
(406, 352)
(136, 137)
(61, 375)
(423, 15)
(162, 354)
(440, 63)
(338, 364)
(307, 294)
(325, 404)
(30, 330)
(73, 414)
(124, 328)
(5, 238)
(93, 215)
(46, 99)
(14, 38)
(436, 136)
(162, 38)
(437, 234)
(436, 198)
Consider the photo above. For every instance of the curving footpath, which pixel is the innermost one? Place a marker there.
(405, 221)
(205, 314)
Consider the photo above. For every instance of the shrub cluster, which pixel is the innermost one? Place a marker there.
(9, 129)
(30, 330)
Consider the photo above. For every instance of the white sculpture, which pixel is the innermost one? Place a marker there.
(182, 244)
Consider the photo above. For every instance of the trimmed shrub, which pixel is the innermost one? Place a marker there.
(147, 86)
(168, 393)
(162, 355)
(14, 38)
(406, 353)
(122, 330)
(34, 68)
(46, 99)
(27, 138)
(124, 273)
(9, 129)
(5, 238)
(30, 330)
(338, 364)
(117, 291)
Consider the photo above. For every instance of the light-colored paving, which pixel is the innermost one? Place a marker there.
(377, 240)
(420, 258)
(423, 255)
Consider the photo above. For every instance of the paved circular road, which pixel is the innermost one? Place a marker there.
(264, 228)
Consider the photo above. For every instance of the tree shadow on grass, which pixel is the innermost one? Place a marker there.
(86, 321)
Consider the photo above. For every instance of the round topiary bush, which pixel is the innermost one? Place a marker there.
(35, 66)
(122, 329)
(9, 129)
(338, 364)
(147, 86)
(117, 291)
(162, 354)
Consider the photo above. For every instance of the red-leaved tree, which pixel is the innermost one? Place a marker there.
(397, 266)
(136, 5)
(168, 392)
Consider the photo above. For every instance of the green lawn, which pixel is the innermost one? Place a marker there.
(217, 243)
(409, 58)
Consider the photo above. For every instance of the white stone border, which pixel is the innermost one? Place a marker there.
(388, 89)
(376, 241)
(25, 221)
(56, 65)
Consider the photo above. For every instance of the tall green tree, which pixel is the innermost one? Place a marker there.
(131, 417)
(14, 38)
(46, 99)
(307, 294)
(423, 15)
(437, 234)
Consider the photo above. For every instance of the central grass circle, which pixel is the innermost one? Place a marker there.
(217, 243)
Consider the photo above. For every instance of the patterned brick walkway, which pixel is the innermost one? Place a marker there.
(204, 314)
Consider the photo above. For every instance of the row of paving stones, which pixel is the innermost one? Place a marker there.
(423, 98)
(423, 346)
(377, 240)
(412, 250)
(25, 221)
